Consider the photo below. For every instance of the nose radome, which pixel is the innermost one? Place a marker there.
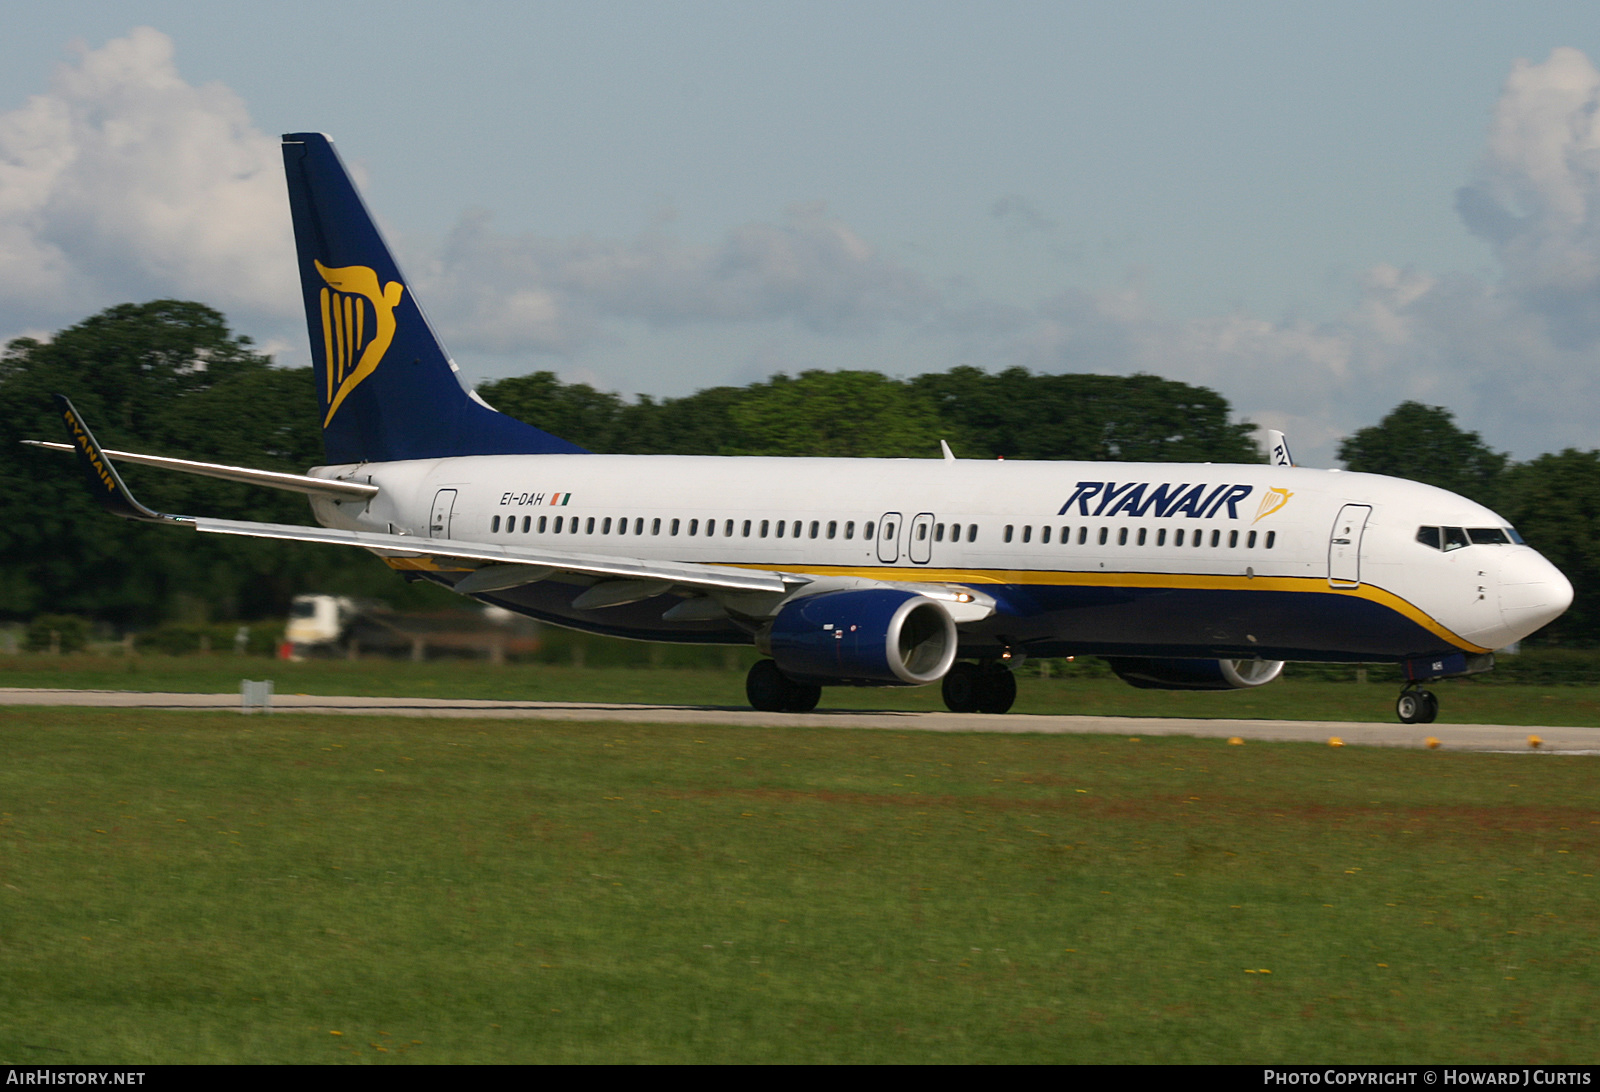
(1533, 592)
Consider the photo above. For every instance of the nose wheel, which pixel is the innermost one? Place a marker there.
(1416, 706)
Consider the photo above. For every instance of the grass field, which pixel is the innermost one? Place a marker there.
(209, 887)
(1465, 701)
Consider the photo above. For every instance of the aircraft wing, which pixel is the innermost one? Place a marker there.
(494, 567)
(497, 567)
(486, 567)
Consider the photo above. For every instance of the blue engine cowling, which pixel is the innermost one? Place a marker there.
(1159, 674)
(866, 637)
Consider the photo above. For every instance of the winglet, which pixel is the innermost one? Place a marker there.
(104, 481)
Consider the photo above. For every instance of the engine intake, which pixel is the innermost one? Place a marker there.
(865, 637)
(1154, 674)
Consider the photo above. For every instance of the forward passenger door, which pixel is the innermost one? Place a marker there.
(1344, 546)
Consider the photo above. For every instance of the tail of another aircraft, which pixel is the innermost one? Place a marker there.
(389, 390)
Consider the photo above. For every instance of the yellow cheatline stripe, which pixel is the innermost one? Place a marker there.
(1178, 581)
(1058, 578)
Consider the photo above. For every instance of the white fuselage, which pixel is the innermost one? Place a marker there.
(1150, 559)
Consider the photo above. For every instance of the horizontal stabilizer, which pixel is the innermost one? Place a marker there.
(271, 479)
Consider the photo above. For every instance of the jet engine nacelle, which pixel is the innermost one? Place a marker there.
(863, 637)
(1154, 674)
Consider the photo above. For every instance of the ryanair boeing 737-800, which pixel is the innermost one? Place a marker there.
(863, 572)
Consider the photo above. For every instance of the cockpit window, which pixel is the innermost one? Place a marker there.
(1455, 538)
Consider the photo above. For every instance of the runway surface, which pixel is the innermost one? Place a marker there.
(1458, 737)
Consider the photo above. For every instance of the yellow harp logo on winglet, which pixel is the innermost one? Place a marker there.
(353, 340)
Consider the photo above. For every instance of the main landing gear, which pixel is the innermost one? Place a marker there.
(1416, 705)
(771, 691)
(969, 688)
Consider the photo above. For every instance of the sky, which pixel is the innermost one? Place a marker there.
(1320, 211)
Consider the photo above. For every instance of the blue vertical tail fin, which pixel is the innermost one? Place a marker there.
(388, 388)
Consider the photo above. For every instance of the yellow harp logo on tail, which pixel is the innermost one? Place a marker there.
(354, 341)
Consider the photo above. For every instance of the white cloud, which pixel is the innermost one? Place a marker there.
(554, 295)
(1539, 193)
(123, 181)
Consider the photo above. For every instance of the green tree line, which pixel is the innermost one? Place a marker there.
(169, 377)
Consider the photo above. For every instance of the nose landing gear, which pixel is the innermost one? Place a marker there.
(1416, 705)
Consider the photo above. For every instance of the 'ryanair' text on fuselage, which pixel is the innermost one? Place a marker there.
(1202, 501)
